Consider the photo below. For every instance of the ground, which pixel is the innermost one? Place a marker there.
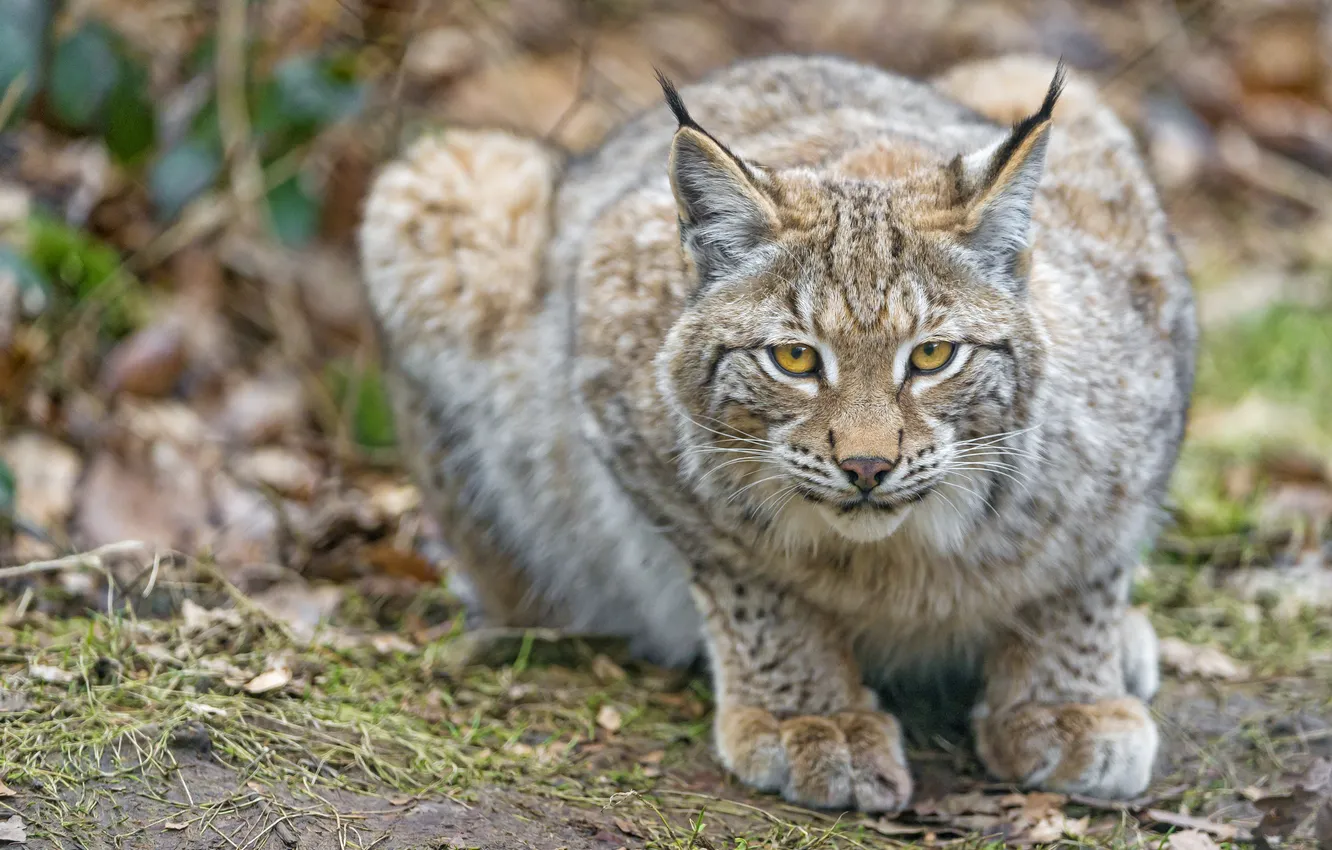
(224, 616)
(220, 728)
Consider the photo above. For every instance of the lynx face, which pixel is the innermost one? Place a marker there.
(855, 347)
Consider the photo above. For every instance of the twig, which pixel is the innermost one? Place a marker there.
(400, 76)
(1182, 20)
(232, 113)
(91, 560)
(9, 102)
(581, 94)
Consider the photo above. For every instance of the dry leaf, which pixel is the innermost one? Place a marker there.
(175, 826)
(389, 560)
(1204, 662)
(301, 606)
(392, 499)
(6, 791)
(439, 54)
(1191, 839)
(1223, 831)
(13, 831)
(1284, 815)
(161, 502)
(609, 719)
(1052, 828)
(147, 363)
(275, 678)
(45, 474)
(292, 474)
(51, 675)
(606, 670)
(264, 409)
(628, 827)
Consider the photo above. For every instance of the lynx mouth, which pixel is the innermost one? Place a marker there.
(867, 503)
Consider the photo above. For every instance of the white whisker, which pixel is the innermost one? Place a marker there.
(754, 484)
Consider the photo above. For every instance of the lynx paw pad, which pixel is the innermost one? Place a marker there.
(1104, 749)
(851, 760)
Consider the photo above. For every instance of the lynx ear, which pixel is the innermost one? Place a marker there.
(997, 187)
(726, 216)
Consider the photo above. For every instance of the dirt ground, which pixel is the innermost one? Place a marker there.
(1227, 735)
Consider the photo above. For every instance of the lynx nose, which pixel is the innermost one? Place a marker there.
(866, 472)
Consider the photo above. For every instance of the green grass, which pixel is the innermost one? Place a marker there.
(1284, 353)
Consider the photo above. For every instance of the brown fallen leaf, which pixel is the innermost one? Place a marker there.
(162, 501)
(1286, 814)
(6, 791)
(609, 718)
(175, 826)
(628, 827)
(1203, 662)
(390, 560)
(147, 363)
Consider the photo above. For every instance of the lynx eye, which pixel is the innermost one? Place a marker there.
(794, 358)
(932, 356)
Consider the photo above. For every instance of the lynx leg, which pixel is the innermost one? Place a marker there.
(1057, 712)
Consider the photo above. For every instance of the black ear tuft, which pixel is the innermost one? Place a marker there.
(1024, 128)
(675, 102)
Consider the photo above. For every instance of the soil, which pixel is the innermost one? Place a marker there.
(1231, 736)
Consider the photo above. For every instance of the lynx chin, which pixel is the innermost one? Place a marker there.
(824, 373)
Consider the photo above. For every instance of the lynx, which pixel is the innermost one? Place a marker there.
(823, 373)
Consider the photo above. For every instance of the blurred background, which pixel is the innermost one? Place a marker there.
(184, 352)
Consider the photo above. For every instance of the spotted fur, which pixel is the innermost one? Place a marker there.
(581, 355)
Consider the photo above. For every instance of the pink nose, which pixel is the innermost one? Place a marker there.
(867, 472)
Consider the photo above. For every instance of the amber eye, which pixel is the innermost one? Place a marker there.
(931, 356)
(794, 358)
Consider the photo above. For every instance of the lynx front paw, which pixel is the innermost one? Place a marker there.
(850, 760)
(1105, 749)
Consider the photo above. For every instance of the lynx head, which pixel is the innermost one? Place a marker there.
(859, 334)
